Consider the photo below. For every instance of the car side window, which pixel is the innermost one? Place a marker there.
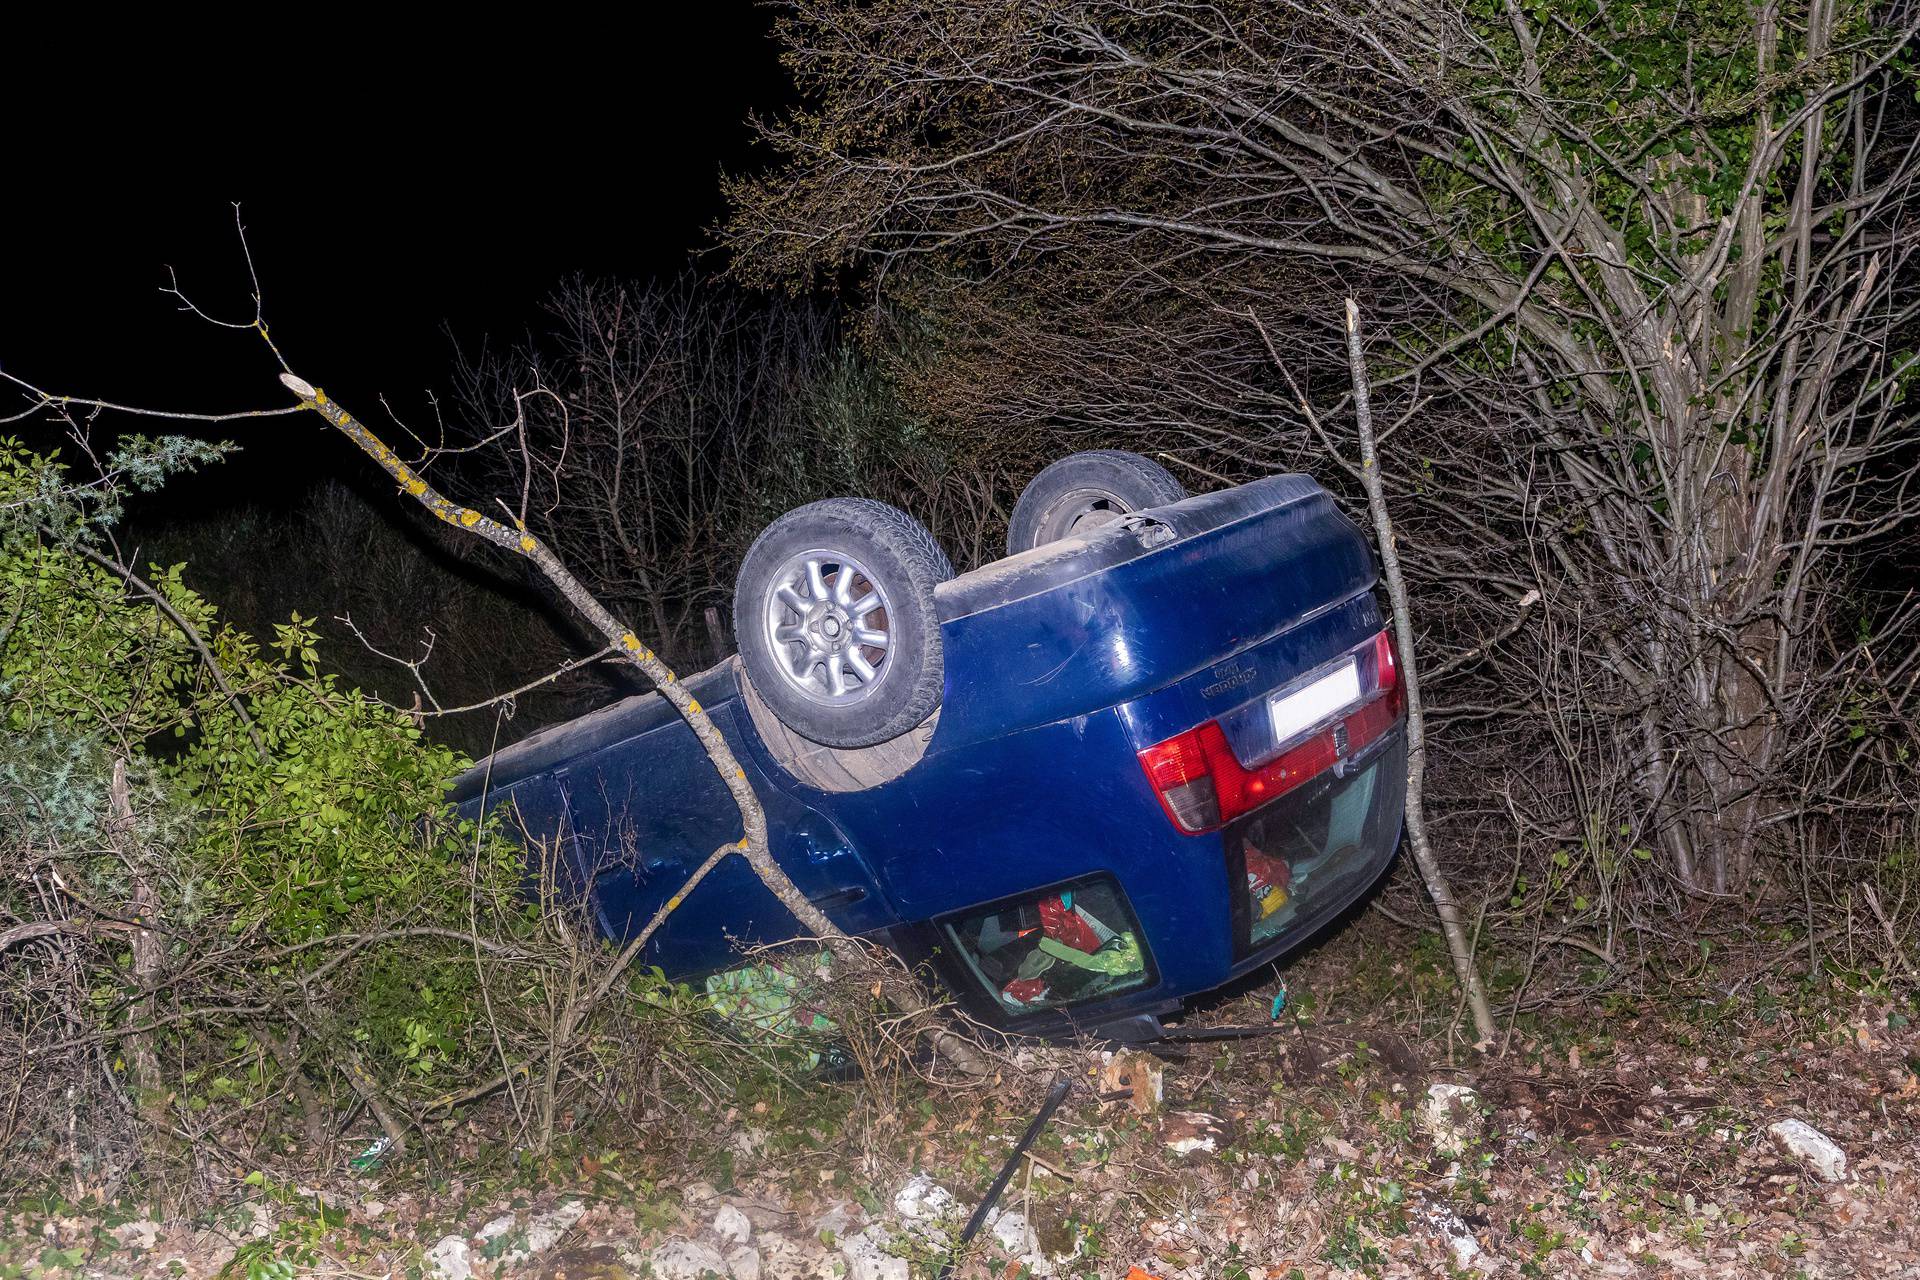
(1065, 945)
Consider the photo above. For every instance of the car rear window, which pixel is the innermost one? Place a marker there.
(1316, 848)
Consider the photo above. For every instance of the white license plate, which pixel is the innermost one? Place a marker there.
(1297, 710)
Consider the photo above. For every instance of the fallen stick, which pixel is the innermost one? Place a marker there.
(999, 1185)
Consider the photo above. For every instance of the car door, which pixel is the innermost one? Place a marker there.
(647, 812)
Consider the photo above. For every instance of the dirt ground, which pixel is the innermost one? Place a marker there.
(1617, 1132)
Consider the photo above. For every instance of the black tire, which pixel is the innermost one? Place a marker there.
(1083, 491)
(799, 649)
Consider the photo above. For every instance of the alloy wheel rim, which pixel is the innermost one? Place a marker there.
(828, 627)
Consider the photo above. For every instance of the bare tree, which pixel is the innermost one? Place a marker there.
(680, 419)
(667, 402)
(1645, 304)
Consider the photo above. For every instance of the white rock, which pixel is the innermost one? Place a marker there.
(731, 1225)
(498, 1227)
(922, 1199)
(868, 1259)
(765, 1217)
(1013, 1233)
(1031, 1059)
(141, 1233)
(839, 1221)
(699, 1197)
(545, 1229)
(687, 1260)
(260, 1220)
(449, 1260)
(784, 1258)
(1340, 1147)
(1464, 1249)
(1185, 1132)
(331, 1199)
(743, 1263)
(1445, 1223)
(1015, 1236)
(1804, 1142)
(1453, 1118)
(747, 1142)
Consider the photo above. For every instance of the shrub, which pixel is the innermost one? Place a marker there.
(234, 894)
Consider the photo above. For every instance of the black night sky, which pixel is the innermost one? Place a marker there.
(456, 220)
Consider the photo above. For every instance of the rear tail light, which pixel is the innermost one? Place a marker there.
(1182, 772)
(1202, 784)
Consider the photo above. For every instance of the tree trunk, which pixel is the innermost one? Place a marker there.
(1452, 925)
(151, 1095)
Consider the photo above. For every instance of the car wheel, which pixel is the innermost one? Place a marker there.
(1084, 491)
(834, 615)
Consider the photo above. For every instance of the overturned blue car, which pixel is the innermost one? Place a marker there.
(1154, 748)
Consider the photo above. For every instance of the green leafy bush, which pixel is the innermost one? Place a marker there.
(313, 910)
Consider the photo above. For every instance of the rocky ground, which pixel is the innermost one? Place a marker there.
(1735, 1125)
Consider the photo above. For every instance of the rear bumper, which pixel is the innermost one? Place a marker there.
(1339, 833)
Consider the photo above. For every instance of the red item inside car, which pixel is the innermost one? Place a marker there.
(1025, 990)
(1267, 880)
(1063, 924)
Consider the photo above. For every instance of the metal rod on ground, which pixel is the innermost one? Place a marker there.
(1047, 1108)
(1199, 1035)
